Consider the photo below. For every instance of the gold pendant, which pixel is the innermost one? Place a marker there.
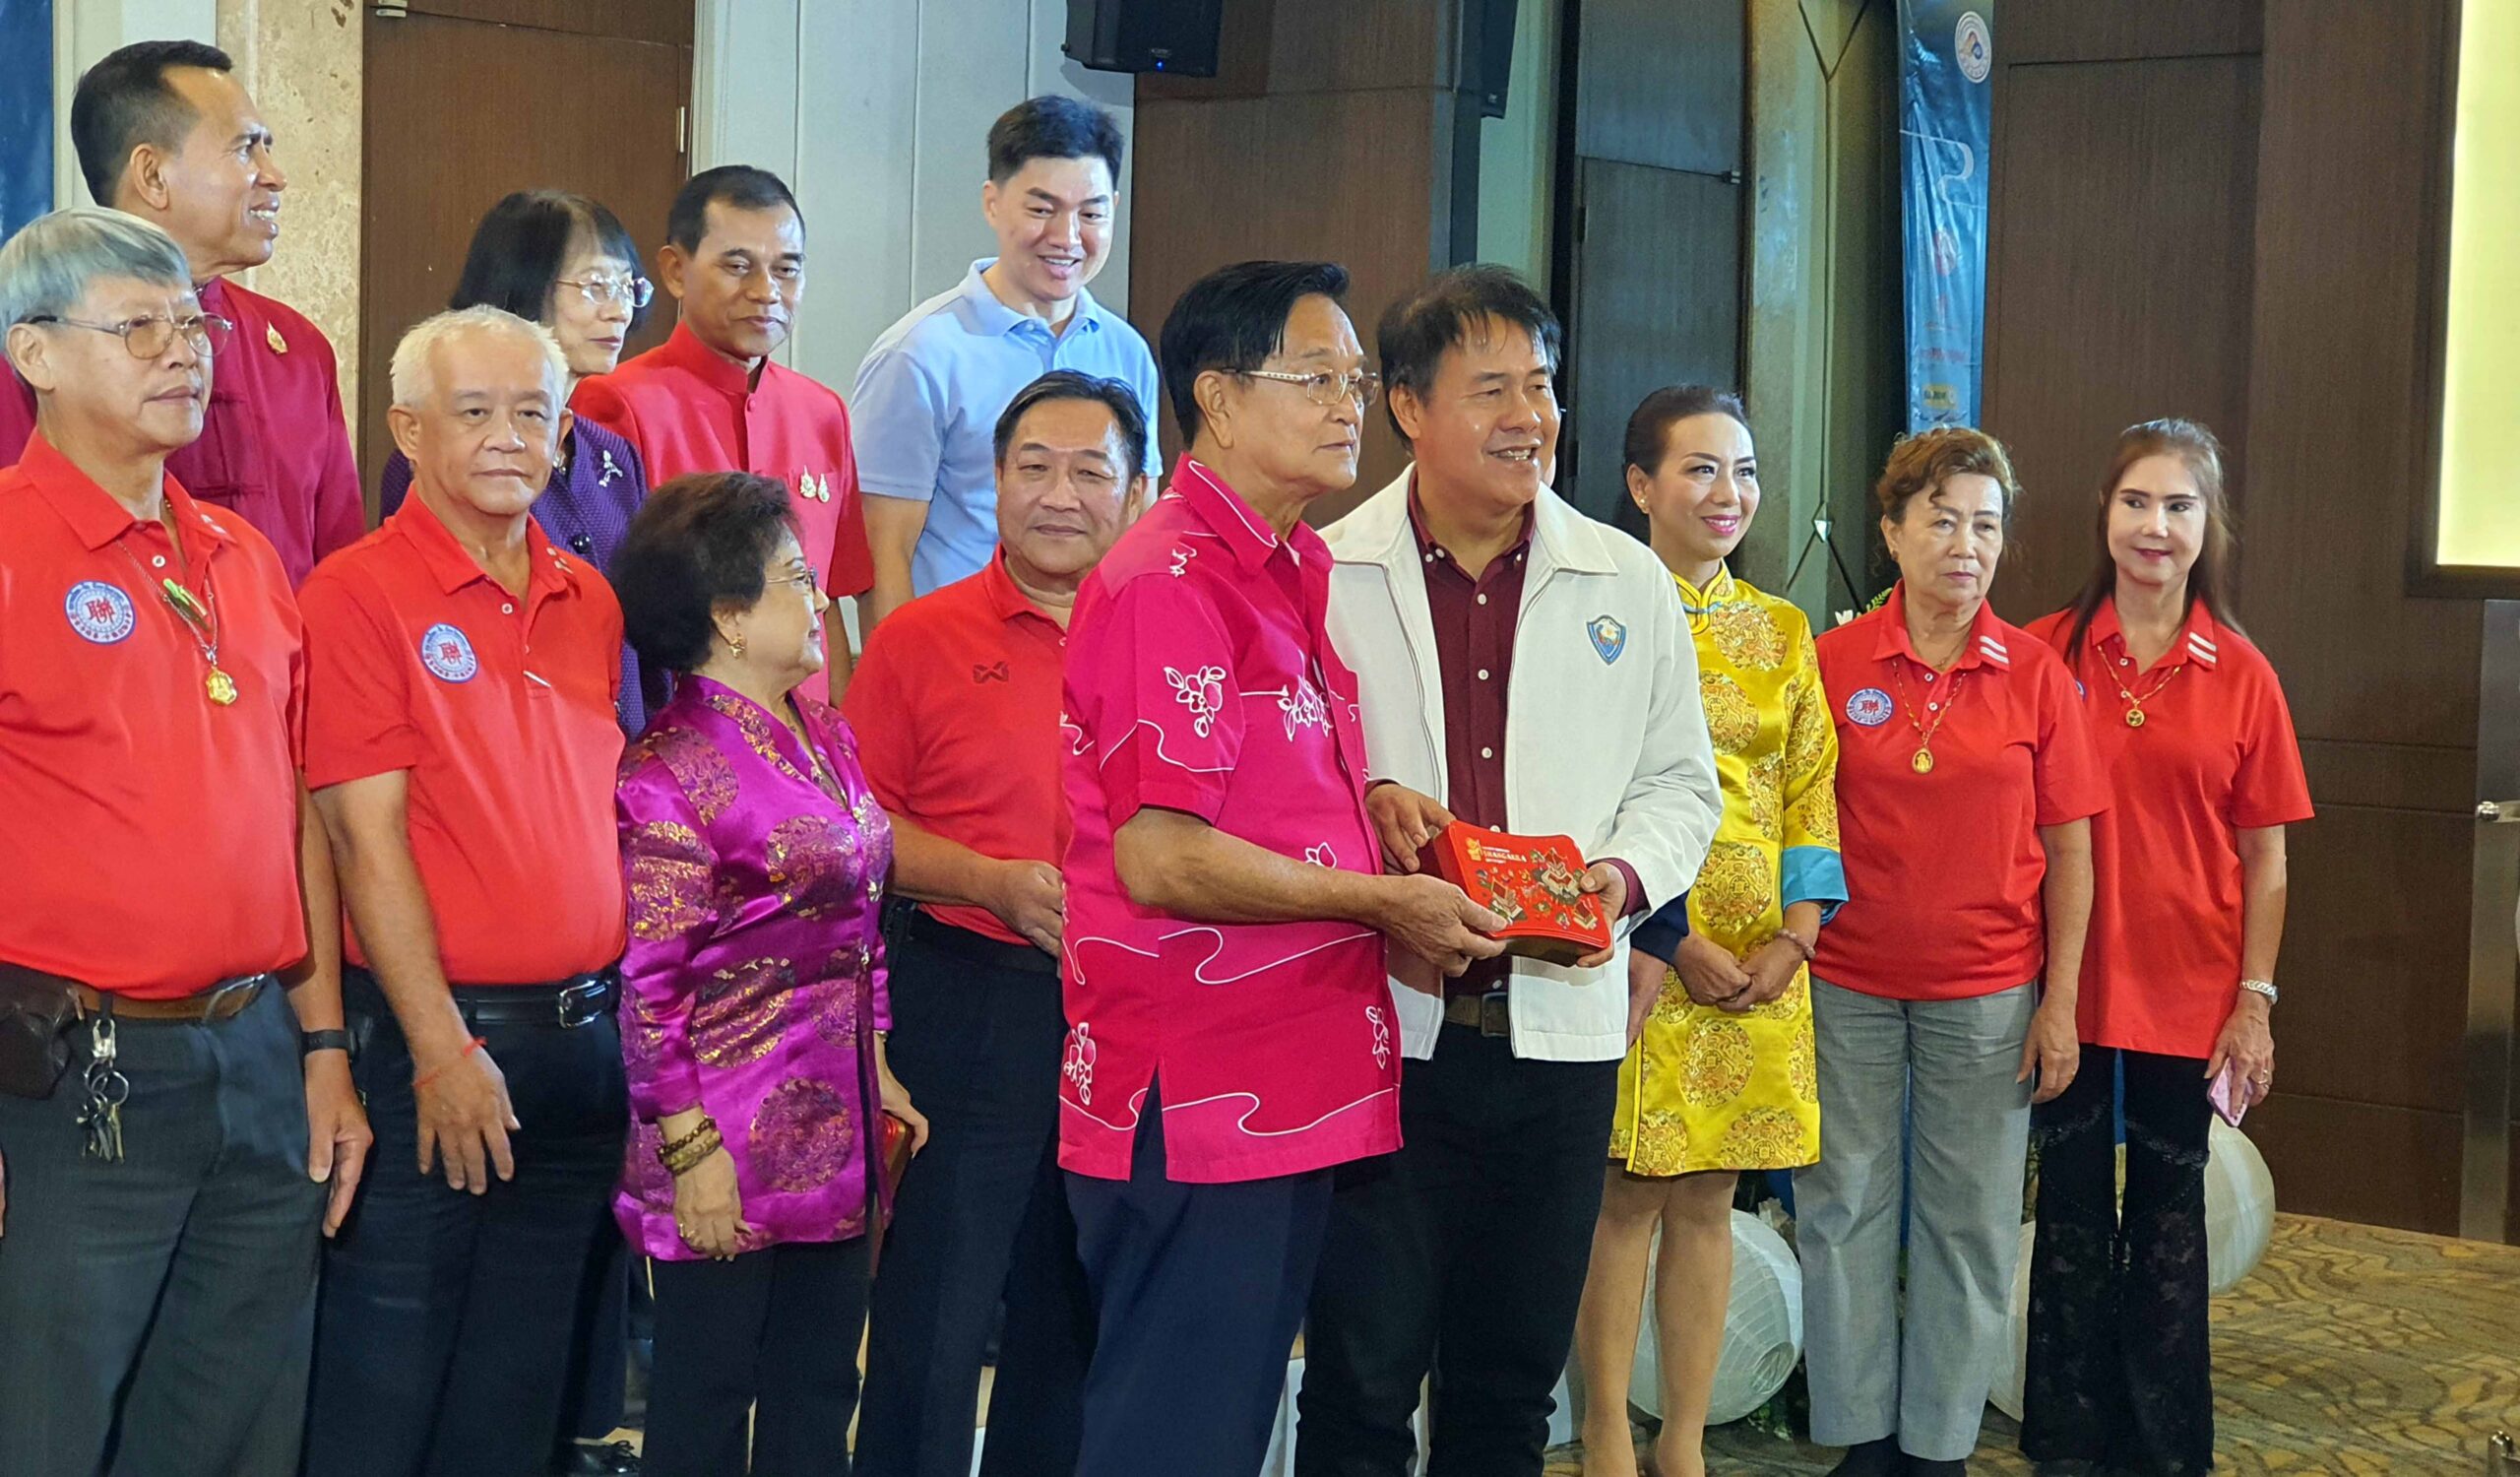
(2135, 718)
(1923, 763)
(222, 687)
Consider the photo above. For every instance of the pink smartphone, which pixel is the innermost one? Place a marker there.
(2230, 1094)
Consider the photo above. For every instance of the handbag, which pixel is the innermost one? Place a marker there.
(37, 1010)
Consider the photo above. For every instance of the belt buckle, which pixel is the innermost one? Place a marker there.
(241, 990)
(1495, 1018)
(580, 1005)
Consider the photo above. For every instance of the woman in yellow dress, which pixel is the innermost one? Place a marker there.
(1723, 1077)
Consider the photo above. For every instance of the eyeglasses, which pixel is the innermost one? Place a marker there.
(804, 581)
(603, 291)
(152, 335)
(1325, 388)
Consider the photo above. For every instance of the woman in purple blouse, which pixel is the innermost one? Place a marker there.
(753, 1005)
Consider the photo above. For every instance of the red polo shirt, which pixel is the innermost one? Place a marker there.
(274, 449)
(2215, 756)
(956, 705)
(1943, 868)
(687, 408)
(501, 710)
(1201, 678)
(147, 834)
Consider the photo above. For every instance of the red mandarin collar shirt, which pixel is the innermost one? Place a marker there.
(956, 705)
(688, 409)
(2216, 756)
(1201, 678)
(500, 709)
(147, 834)
(1944, 868)
(274, 449)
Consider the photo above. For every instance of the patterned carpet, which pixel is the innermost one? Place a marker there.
(2352, 1349)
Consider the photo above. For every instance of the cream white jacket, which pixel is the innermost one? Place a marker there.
(1605, 734)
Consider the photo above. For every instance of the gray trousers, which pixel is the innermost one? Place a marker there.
(156, 1315)
(1955, 1191)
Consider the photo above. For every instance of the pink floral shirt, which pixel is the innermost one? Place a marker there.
(1199, 678)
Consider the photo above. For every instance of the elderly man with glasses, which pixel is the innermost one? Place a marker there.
(174, 1082)
(1227, 915)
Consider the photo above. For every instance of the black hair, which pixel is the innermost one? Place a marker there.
(123, 102)
(699, 542)
(1415, 329)
(522, 247)
(1068, 384)
(739, 186)
(1649, 428)
(1053, 126)
(1233, 319)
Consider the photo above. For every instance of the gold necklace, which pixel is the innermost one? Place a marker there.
(200, 618)
(2135, 704)
(1923, 760)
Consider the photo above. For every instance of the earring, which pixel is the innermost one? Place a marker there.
(735, 644)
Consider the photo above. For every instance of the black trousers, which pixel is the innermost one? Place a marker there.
(1462, 1255)
(446, 1327)
(1198, 1290)
(2120, 1368)
(767, 1342)
(155, 1313)
(983, 1215)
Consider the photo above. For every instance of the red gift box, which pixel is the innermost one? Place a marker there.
(1535, 883)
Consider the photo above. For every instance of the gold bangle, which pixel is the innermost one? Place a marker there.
(690, 1153)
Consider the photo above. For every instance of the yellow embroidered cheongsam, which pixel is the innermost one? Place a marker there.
(1703, 1088)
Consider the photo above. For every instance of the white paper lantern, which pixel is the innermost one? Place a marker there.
(2239, 1207)
(1762, 1327)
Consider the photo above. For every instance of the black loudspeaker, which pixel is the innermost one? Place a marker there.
(1177, 36)
(1487, 53)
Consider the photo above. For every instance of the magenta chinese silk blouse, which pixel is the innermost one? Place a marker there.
(753, 982)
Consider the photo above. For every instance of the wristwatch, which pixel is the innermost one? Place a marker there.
(2265, 988)
(333, 1039)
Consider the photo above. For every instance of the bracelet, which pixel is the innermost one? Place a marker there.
(469, 1047)
(684, 1154)
(1810, 952)
(2264, 987)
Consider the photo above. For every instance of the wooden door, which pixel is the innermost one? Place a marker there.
(1650, 273)
(471, 99)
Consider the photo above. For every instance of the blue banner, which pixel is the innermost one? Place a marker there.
(26, 111)
(1946, 54)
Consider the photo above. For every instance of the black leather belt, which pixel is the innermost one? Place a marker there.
(979, 949)
(567, 1005)
(563, 1004)
(1488, 1014)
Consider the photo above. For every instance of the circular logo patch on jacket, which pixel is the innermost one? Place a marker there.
(448, 653)
(98, 611)
(1871, 707)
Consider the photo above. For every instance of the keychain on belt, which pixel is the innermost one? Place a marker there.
(100, 1117)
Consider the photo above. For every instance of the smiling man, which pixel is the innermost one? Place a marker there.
(957, 711)
(931, 388)
(461, 745)
(164, 132)
(1523, 668)
(709, 399)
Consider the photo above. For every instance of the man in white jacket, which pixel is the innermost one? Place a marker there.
(1523, 667)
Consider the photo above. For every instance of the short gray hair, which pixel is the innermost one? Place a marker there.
(49, 265)
(412, 376)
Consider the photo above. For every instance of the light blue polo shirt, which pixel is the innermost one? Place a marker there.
(929, 394)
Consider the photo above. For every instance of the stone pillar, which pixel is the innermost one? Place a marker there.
(302, 62)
